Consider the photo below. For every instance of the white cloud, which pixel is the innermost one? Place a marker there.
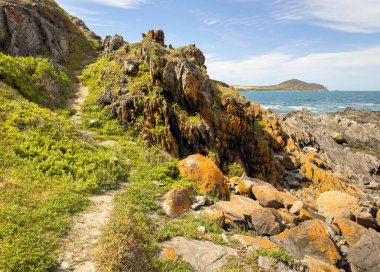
(341, 70)
(342, 15)
(128, 4)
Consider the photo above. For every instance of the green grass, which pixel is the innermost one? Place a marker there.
(278, 253)
(36, 79)
(46, 170)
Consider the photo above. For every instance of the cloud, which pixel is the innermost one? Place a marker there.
(340, 70)
(361, 16)
(128, 4)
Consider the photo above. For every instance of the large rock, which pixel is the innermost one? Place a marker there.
(201, 255)
(350, 230)
(238, 209)
(177, 201)
(266, 221)
(310, 238)
(364, 255)
(337, 204)
(270, 197)
(205, 174)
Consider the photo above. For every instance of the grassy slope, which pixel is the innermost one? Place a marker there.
(46, 170)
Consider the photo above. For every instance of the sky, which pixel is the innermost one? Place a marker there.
(257, 42)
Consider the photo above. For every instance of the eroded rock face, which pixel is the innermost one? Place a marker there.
(205, 174)
(31, 29)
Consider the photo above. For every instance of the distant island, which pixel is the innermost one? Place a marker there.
(290, 85)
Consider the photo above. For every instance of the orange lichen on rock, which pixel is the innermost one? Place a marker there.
(205, 174)
(316, 170)
(169, 253)
(315, 265)
(351, 231)
(255, 242)
(177, 201)
(309, 238)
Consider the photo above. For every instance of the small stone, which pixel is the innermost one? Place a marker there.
(308, 149)
(344, 249)
(93, 124)
(196, 206)
(115, 161)
(296, 208)
(224, 237)
(201, 229)
(378, 217)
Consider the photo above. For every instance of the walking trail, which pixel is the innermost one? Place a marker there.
(77, 254)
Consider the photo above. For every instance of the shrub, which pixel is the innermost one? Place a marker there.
(36, 79)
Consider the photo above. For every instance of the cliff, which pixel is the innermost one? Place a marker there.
(42, 28)
(290, 85)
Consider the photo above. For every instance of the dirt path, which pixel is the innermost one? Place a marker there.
(87, 227)
(76, 103)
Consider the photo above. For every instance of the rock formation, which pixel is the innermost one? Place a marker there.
(42, 28)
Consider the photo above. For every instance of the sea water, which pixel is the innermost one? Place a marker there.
(317, 102)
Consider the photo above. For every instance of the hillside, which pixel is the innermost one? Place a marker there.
(290, 85)
(42, 28)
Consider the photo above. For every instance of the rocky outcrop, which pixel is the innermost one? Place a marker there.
(348, 141)
(41, 28)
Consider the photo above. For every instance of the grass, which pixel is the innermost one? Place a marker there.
(46, 171)
(278, 253)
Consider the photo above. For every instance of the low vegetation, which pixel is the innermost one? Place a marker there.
(46, 170)
(36, 79)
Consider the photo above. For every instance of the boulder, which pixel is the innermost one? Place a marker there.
(267, 195)
(338, 137)
(244, 187)
(201, 255)
(310, 238)
(290, 163)
(239, 208)
(288, 218)
(378, 217)
(266, 221)
(296, 207)
(177, 201)
(287, 199)
(337, 204)
(205, 174)
(365, 216)
(364, 255)
(350, 230)
(94, 124)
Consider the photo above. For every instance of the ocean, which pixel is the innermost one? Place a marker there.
(317, 102)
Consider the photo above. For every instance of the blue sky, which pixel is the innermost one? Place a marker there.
(257, 42)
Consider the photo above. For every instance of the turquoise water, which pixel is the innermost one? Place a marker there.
(317, 102)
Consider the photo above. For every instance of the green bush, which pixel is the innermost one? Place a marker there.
(36, 79)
